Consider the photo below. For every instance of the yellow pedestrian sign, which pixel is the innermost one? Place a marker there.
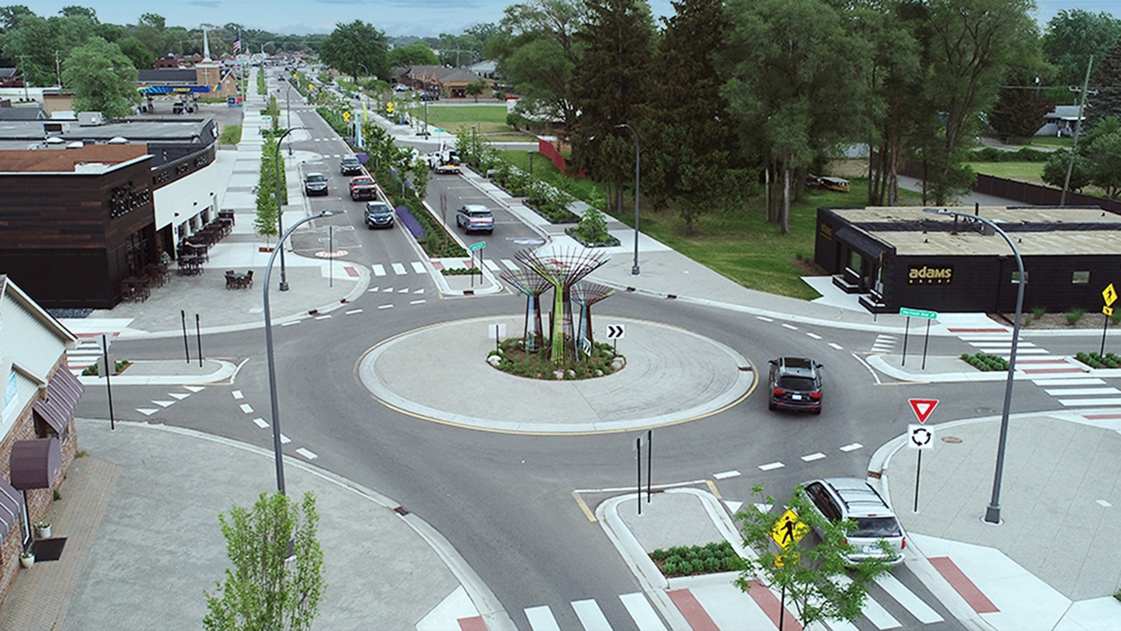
(1109, 294)
(788, 531)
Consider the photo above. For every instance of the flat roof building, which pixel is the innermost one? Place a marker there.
(897, 257)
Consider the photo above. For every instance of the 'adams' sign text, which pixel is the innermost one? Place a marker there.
(926, 275)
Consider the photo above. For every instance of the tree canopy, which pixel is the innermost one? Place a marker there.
(357, 48)
(102, 77)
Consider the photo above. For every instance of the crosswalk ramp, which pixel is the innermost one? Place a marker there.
(719, 605)
(88, 350)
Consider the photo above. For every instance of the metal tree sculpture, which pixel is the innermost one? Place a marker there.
(585, 294)
(532, 285)
(562, 269)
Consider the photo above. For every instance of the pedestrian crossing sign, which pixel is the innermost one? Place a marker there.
(788, 531)
(1109, 295)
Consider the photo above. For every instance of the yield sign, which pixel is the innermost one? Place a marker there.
(922, 408)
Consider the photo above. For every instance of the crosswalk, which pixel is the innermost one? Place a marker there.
(402, 268)
(1064, 378)
(87, 351)
(720, 605)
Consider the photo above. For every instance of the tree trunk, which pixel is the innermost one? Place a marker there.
(784, 217)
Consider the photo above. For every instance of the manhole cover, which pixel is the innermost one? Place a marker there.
(953, 440)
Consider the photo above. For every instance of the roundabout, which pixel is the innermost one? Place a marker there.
(672, 376)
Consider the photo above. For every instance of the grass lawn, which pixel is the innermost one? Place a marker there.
(742, 246)
(489, 119)
(1022, 171)
(231, 135)
(1051, 141)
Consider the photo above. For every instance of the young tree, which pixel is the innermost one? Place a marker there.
(477, 87)
(816, 578)
(277, 578)
(102, 77)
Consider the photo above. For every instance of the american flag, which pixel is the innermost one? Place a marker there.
(237, 44)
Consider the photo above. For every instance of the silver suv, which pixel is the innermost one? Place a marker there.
(838, 499)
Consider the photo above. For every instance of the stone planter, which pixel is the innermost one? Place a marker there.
(27, 560)
(44, 532)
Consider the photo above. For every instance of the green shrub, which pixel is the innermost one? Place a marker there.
(985, 362)
(90, 370)
(1074, 315)
(1038, 312)
(659, 555)
(685, 568)
(669, 568)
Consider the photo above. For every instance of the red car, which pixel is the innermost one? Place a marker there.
(363, 187)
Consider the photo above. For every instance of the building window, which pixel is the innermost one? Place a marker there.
(854, 261)
(1016, 278)
(1080, 278)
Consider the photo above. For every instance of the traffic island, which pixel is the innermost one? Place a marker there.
(513, 358)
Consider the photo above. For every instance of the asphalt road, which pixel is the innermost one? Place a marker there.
(506, 500)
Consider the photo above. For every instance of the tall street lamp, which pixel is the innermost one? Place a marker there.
(279, 209)
(992, 512)
(272, 362)
(637, 180)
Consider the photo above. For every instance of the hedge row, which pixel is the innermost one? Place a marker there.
(985, 362)
(688, 560)
(1094, 360)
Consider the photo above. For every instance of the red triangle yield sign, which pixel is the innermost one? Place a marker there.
(922, 408)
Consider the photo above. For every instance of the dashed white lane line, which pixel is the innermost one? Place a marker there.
(418, 267)
(726, 474)
(385, 306)
(417, 302)
(292, 323)
(323, 317)
(238, 395)
(771, 466)
(353, 311)
(812, 457)
(814, 336)
(836, 346)
(310, 455)
(789, 326)
(379, 269)
(260, 422)
(284, 440)
(1104, 504)
(399, 269)
(764, 318)
(245, 407)
(851, 447)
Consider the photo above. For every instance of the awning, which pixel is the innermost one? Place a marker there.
(63, 392)
(862, 242)
(9, 508)
(35, 463)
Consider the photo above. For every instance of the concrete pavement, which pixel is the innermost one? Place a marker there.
(1052, 564)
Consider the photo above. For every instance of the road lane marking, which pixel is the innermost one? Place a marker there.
(590, 615)
(379, 270)
(417, 302)
(238, 395)
(789, 326)
(771, 466)
(541, 619)
(1058, 392)
(836, 346)
(385, 306)
(726, 474)
(910, 601)
(418, 267)
(260, 422)
(813, 335)
(1071, 381)
(292, 323)
(764, 318)
(353, 311)
(644, 616)
(245, 407)
(310, 455)
(851, 447)
(812, 457)
(399, 269)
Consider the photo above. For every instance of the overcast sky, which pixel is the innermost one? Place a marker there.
(394, 17)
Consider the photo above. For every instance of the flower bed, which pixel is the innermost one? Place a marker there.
(513, 358)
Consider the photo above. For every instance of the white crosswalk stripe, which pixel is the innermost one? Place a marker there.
(911, 602)
(590, 615)
(491, 265)
(379, 269)
(418, 267)
(541, 619)
(883, 343)
(399, 269)
(642, 612)
(510, 265)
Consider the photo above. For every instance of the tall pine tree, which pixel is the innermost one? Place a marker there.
(686, 124)
(1106, 78)
(609, 88)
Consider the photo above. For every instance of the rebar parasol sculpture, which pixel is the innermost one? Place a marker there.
(532, 285)
(562, 269)
(585, 294)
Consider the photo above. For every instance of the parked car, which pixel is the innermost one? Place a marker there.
(315, 184)
(428, 96)
(447, 169)
(838, 499)
(378, 215)
(795, 384)
(400, 87)
(363, 187)
(351, 166)
(475, 218)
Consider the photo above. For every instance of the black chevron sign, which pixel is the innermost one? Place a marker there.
(616, 331)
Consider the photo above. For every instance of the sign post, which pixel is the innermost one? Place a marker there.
(917, 313)
(920, 437)
(786, 532)
(477, 247)
(616, 332)
(1109, 295)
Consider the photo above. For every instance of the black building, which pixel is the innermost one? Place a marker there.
(904, 257)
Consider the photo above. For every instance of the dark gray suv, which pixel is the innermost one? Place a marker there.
(795, 384)
(379, 215)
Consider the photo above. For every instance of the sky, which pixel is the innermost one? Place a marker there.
(422, 18)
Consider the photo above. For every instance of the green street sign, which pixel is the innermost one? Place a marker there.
(437, 130)
(918, 313)
(475, 247)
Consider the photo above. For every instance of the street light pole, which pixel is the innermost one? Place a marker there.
(992, 511)
(637, 181)
(279, 208)
(272, 362)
